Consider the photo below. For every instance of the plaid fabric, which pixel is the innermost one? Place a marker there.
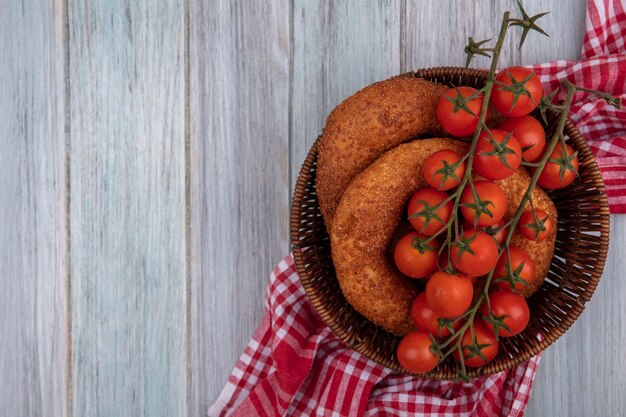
(295, 366)
(602, 67)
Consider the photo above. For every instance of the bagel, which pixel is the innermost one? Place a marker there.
(368, 123)
(369, 212)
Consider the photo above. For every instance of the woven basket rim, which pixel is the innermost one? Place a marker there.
(535, 346)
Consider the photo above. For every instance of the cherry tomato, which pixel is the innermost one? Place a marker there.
(426, 319)
(490, 207)
(475, 253)
(517, 275)
(442, 263)
(510, 313)
(443, 170)
(415, 354)
(449, 295)
(422, 214)
(536, 230)
(452, 111)
(413, 257)
(561, 169)
(442, 260)
(525, 85)
(529, 133)
(495, 230)
(497, 155)
(485, 344)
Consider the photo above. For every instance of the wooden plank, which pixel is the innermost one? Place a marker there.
(436, 31)
(584, 372)
(33, 244)
(128, 208)
(566, 26)
(239, 100)
(339, 47)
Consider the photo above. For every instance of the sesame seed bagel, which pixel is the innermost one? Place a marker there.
(368, 123)
(370, 209)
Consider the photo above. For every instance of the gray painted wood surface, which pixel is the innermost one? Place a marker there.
(338, 48)
(127, 210)
(239, 101)
(185, 125)
(33, 246)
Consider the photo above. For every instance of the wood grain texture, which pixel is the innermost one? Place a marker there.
(584, 372)
(436, 32)
(338, 48)
(239, 101)
(127, 208)
(33, 245)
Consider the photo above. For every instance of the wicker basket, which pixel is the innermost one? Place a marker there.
(581, 247)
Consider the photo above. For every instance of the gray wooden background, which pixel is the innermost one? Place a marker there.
(147, 155)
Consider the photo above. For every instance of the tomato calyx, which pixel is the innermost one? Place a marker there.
(434, 346)
(538, 226)
(421, 245)
(479, 206)
(475, 349)
(500, 149)
(513, 277)
(517, 88)
(527, 23)
(428, 213)
(445, 323)
(464, 245)
(474, 48)
(546, 104)
(460, 103)
(497, 322)
(448, 171)
(565, 162)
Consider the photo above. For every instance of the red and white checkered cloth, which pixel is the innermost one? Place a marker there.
(602, 67)
(295, 366)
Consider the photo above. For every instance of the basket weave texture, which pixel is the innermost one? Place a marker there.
(580, 252)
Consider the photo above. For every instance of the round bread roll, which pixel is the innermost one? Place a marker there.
(370, 210)
(368, 123)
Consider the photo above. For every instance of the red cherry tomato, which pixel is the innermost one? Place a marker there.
(525, 85)
(426, 319)
(442, 263)
(452, 112)
(517, 274)
(490, 207)
(442, 260)
(422, 214)
(485, 344)
(443, 170)
(415, 354)
(510, 313)
(495, 231)
(475, 253)
(561, 169)
(539, 229)
(497, 155)
(413, 257)
(449, 295)
(529, 133)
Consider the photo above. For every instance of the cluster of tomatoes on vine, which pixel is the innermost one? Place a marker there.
(477, 245)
